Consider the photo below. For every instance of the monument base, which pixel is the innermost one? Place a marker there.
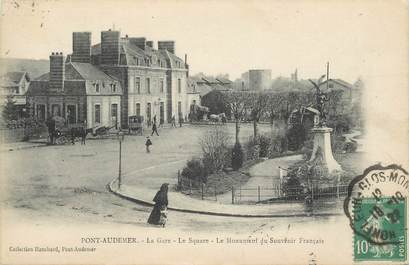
(322, 148)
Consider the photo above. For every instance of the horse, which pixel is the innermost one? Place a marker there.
(221, 117)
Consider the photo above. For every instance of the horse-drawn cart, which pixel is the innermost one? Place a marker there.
(61, 133)
(135, 124)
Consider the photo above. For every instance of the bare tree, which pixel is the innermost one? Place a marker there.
(215, 148)
(258, 102)
(238, 102)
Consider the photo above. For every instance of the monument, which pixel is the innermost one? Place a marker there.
(322, 134)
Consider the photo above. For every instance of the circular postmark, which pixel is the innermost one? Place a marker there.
(376, 204)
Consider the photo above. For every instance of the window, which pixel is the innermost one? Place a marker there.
(148, 112)
(138, 109)
(179, 86)
(148, 85)
(96, 87)
(137, 61)
(113, 87)
(41, 112)
(97, 109)
(138, 85)
(161, 85)
(55, 110)
(71, 114)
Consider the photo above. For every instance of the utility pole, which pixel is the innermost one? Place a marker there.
(327, 75)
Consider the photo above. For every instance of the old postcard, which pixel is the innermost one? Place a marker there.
(204, 132)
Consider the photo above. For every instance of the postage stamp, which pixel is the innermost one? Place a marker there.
(376, 206)
(383, 221)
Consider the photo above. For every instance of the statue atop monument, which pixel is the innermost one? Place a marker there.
(320, 98)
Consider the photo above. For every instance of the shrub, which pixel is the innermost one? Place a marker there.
(214, 148)
(237, 156)
(292, 187)
(265, 143)
(278, 146)
(195, 171)
(251, 150)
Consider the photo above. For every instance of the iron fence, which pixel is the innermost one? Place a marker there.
(260, 194)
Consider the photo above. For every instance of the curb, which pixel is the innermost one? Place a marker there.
(145, 203)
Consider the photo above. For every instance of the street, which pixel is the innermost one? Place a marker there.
(69, 183)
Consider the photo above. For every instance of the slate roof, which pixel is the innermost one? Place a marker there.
(76, 75)
(224, 81)
(71, 87)
(80, 71)
(12, 79)
(89, 72)
(134, 55)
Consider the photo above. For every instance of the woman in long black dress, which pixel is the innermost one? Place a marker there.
(159, 213)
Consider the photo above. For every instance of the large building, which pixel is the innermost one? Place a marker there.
(259, 79)
(151, 82)
(76, 91)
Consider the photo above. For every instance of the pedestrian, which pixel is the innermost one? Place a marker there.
(180, 120)
(154, 129)
(173, 121)
(51, 129)
(73, 133)
(148, 143)
(159, 214)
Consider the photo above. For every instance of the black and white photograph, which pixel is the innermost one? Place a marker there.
(204, 132)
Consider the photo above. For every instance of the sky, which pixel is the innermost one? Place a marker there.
(360, 38)
(223, 36)
(219, 36)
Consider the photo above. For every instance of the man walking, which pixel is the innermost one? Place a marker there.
(154, 129)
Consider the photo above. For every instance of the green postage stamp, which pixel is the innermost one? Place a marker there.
(380, 229)
(376, 206)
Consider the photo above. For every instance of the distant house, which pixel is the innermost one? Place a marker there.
(350, 94)
(15, 84)
(204, 84)
(78, 92)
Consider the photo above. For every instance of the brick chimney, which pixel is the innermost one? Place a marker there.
(110, 47)
(139, 42)
(167, 45)
(81, 47)
(57, 72)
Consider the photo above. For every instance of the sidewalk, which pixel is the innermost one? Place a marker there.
(180, 202)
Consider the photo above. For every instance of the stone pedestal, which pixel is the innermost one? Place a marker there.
(322, 148)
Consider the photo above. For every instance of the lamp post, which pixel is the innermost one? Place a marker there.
(121, 137)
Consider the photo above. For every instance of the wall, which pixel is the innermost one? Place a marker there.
(105, 103)
(179, 97)
(143, 98)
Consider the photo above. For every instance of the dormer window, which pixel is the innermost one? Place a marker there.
(96, 85)
(113, 87)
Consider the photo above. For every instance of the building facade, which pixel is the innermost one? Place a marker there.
(78, 92)
(153, 80)
(149, 82)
